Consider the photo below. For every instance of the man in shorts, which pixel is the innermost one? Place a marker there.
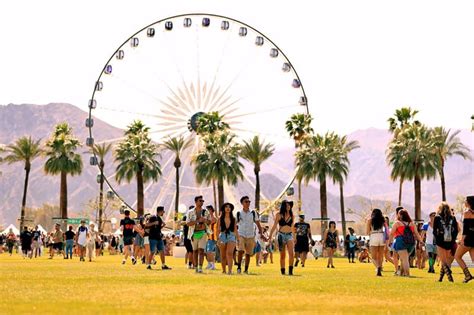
(57, 240)
(212, 240)
(303, 239)
(127, 225)
(246, 221)
(198, 219)
(155, 224)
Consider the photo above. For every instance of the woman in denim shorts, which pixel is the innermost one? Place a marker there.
(285, 220)
(227, 236)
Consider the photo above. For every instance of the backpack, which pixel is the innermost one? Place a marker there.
(447, 230)
(253, 214)
(407, 236)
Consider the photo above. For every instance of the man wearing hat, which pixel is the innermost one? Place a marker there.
(303, 238)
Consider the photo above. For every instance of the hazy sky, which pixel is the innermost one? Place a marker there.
(358, 60)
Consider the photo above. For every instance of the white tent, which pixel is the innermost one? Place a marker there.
(11, 226)
(42, 229)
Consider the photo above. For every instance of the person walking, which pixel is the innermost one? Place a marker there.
(189, 257)
(198, 219)
(91, 242)
(155, 225)
(303, 239)
(211, 242)
(227, 227)
(403, 236)
(445, 231)
(331, 242)
(467, 241)
(284, 220)
(11, 241)
(376, 230)
(26, 238)
(351, 240)
(81, 239)
(57, 239)
(36, 244)
(246, 221)
(127, 225)
(69, 235)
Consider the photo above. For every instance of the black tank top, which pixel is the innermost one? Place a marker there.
(229, 229)
(282, 222)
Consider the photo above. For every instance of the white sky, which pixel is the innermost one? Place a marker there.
(358, 60)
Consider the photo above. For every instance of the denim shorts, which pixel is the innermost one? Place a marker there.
(430, 248)
(211, 246)
(283, 239)
(156, 246)
(257, 249)
(227, 237)
(139, 241)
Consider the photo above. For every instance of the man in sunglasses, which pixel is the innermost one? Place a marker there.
(246, 221)
(198, 219)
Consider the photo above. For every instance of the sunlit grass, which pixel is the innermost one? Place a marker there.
(105, 286)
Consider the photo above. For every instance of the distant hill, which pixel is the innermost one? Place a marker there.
(368, 183)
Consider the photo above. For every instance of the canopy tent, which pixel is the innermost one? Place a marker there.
(42, 229)
(14, 229)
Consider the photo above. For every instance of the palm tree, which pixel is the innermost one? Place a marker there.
(177, 146)
(209, 123)
(413, 153)
(446, 146)
(403, 117)
(256, 152)
(299, 128)
(23, 150)
(136, 157)
(100, 151)
(60, 150)
(339, 175)
(319, 159)
(218, 160)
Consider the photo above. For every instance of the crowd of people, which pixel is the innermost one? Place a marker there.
(233, 237)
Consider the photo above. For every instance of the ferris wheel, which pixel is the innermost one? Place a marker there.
(171, 71)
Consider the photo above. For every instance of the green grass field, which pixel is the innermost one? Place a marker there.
(57, 286)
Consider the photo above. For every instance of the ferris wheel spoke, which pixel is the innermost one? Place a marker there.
(173, 107)
(255, 132)
(263, 111)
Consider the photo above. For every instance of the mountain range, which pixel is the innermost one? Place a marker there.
(368, 184)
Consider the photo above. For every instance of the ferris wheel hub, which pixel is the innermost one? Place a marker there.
(193, 121)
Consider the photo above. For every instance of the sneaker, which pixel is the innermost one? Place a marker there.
(164, 267)
(197, 270)
(190, 266)
(239, 271)
(200, 270)
(148, 267)
(296, 263)
(134, 261)
(213, 267)
(123, 262)
(246, 272)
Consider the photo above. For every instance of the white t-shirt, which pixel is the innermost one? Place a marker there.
(429, 235)
(246, 223)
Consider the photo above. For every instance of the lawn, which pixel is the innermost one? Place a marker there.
(105, 286)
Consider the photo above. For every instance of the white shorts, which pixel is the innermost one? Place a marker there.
(146, 240)
(377, 239)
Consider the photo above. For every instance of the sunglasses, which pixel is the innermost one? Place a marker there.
(201, 200)
(247, 201)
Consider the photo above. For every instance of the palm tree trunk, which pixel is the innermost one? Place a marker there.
(400, 193)
(443, 182)
(140, 196)
(176, 201)
(101, 200)
(300, 201)
(23, 201)
(343, 211)
(324, 205)
(220, 191)
(214, 193)
(257, 190)
(417, 198)
(63, 196)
